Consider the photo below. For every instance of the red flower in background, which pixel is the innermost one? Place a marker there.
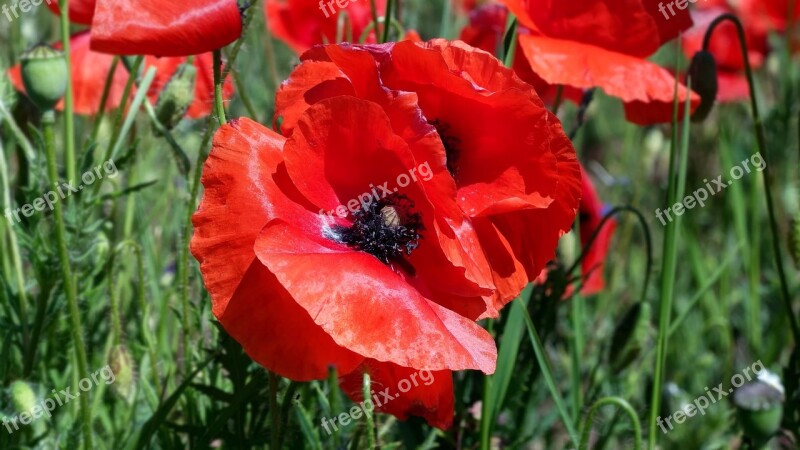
(584, 44)
(80, 11)
(153, 27)
(592, 212)
(89, 72)
(301, 24)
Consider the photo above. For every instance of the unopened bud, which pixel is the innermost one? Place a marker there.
(177, 96)
(703, 74)
(123, 367)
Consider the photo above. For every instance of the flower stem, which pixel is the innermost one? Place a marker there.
(370, 425)
(761, 140)
(69, 97)
(48, 122)
(587, 425)
(387, 21)
(219, 109)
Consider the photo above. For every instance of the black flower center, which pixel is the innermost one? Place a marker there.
(386, 229)
(451, 145)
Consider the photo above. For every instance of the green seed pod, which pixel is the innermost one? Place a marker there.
(44, 73)
(794, 239)
(703, 74)
(122, 364)
(759, 409)
(177, 96)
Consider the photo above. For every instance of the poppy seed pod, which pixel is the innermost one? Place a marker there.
(760, 408)
(703, 74)
(44, 74)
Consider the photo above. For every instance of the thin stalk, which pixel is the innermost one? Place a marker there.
(27, 148)
(487, 415)
(761, 139)
(626, 407)
(677, 186)
(576, 352)
(547, 373)
(69, 97)
(71, 291)
(219, 105)
(370, 424)
(390, 6)
(375, 21)
(274, 411)
(19, 276)
(98, 120)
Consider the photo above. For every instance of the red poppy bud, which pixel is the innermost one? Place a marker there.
(703, 74)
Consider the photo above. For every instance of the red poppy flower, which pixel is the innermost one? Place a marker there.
(603, 43)
(520, 183)
(152, 27)
(80, 11)
(203, 103)
(301, 24)
(592, 212)
(89, 72)
(259, 238)
(769, 15)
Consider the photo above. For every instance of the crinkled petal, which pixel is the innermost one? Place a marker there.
(153, 27)
(647, 89)
(404, 392)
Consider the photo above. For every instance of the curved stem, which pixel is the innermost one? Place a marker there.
(761, 140)
(69, 97)
(622, 403)
(647, 237)
(98, 120)
(370, 425)
(48, 122)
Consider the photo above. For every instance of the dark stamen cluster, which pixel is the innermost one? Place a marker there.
(386, 229)
(451, 145)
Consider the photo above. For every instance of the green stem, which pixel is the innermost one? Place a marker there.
(274, 411)
(19, 276)
(487, 415)
(69, 97)
(375, 21)
(98, 120)
(76, 327)
(390, 5)
(219, 105)
(587, 424)
(677, 186)
(370, 424)
(547, 373)
(761, 139)
(27, 148)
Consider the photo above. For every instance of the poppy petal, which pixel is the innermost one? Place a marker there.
(404, 392)
(261, 314)
(646, 88)
(372, 311)
(153, 27)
